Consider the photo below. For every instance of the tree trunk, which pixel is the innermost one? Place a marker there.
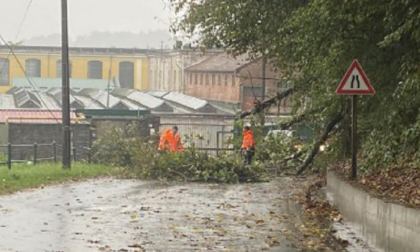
(321, 141)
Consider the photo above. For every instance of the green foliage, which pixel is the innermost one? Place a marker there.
(276, 148)
(127, 149)
(314, 42)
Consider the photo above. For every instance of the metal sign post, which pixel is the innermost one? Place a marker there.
(354, 136)
(354, 83)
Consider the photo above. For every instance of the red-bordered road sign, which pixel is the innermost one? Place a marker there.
(355, 82)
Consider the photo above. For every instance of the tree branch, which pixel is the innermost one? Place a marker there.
(289, 124)
(321, 141)
(259, 107)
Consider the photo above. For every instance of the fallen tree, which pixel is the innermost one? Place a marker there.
(261, 106)
(321, 141)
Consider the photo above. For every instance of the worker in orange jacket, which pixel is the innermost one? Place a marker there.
(170, 141)
(164, 140)
(177, 144)
(248, 145)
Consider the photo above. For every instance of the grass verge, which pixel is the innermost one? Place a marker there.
(29, 176)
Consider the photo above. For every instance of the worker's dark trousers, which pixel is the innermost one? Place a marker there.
(248, 155)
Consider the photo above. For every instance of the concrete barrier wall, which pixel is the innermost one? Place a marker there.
(387, 226)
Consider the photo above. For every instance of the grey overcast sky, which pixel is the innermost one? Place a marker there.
(85, 16)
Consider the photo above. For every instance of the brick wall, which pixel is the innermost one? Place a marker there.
(20, 134)
(82, 135)
(213, 86)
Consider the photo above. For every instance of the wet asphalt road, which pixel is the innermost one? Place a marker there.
(129, 215)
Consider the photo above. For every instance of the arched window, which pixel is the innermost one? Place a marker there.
(127, 74)
(4, 72)
(33, 68)
(95, 70)
(59, 69)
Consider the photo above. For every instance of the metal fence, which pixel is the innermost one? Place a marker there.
(211, 138)
(8, 154)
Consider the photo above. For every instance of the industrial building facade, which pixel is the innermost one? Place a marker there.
(128, 67)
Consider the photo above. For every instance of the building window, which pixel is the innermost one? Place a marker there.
(33, 68)
(95, 70)
(4, 72)
(226, 79)
(59, 68)
(196, 79)
(207, 79)
(213, 79)
(175, 77)
(127, 74)
(201, 79)
(233, 80)
(219, 79)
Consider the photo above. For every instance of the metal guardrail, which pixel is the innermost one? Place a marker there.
(35, 158)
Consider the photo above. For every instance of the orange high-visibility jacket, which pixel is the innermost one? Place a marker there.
(165, 140)
(169, 142)
(248, 140)
(177, 144)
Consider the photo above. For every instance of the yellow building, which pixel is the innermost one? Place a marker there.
(128, 66)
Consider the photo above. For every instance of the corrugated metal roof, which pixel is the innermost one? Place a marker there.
(102, 98)
(7, 102)
(57, 94)
(133, 106)
(26, 99)
(122, 92)
(178, 109)
(44, 84)
(32, 116)
(146, 99)
(14, 90)
(158, 94)
(88, 102)
(226, 107)
(48, 102)
(185, 100)
(220, 63)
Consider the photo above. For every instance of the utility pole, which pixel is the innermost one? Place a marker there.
(162, 78)
(65, 87)
(109, 82)
(264, 63)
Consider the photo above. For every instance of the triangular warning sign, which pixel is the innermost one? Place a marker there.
(355, 82)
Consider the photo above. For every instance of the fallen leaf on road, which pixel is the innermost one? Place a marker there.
(135, 246)
(274, 243)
